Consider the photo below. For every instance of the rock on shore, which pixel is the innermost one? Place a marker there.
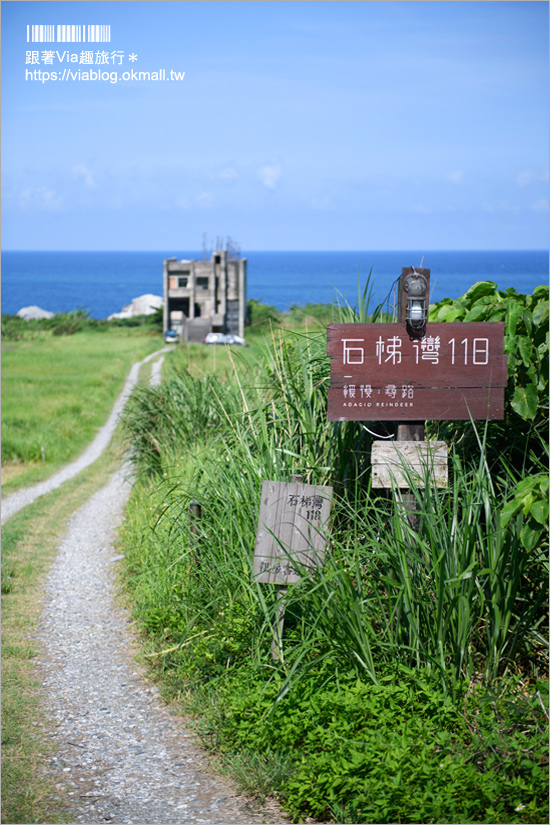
(34, 313)
(143, 305)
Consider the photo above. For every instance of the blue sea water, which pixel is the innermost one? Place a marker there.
(103, 282)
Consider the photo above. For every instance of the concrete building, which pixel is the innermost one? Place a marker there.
(205, 296)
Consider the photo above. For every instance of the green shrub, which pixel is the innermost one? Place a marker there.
(400, 751)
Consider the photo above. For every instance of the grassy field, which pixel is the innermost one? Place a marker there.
(414, 685)
(57, 390)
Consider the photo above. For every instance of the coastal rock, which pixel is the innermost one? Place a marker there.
(143, 305)
(34, 313)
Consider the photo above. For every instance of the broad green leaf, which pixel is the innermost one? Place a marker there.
(479, 290)
(525, 348)
(450, 313)
(529, 537)
(513, 314)
(539, 511)
(525, 401)
(526, 485)
(526, 503)
(528, 321)
(508, 511)
(540, 314)
(477, 312)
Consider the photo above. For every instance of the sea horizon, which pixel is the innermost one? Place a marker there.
(103, 281)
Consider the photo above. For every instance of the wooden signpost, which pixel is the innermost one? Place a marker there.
(410, 372)
(290, 540)
(291, 535)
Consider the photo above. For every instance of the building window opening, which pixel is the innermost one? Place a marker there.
(182, 282)
(202, 282)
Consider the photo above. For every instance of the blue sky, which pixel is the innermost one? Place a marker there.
(298, 125)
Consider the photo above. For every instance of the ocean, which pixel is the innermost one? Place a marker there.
(104, 282)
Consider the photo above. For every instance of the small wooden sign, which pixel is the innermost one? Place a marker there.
(395, 463)
(292, 527)
(456, 371)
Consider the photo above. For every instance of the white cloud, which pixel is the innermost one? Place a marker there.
(42, 198)
(540, 205)
(205, 199)
(270, 175)
(526, 178)
(229, 174)
(182, 202)
(456, 177)
(82, 172)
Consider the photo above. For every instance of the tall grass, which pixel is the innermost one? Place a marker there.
(451, 596)
(461, 595)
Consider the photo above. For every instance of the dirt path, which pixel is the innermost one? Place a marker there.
(123, 756)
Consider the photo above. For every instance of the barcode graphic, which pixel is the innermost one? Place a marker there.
(68, 34)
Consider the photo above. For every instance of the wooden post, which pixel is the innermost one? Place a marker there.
(195, 513)
(411, 431)
(290, 540)
(278, 624)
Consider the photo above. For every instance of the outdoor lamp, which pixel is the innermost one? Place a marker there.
(416, 287)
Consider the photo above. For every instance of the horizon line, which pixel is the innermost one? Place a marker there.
(241, 251)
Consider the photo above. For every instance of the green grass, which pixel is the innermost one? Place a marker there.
(56, 393)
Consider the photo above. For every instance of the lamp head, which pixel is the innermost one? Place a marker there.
(416, 287)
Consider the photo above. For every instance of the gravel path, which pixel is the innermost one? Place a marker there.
(16, 501)
(156, 372)
(123, 756)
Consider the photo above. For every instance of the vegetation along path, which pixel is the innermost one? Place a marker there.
(13, 503)
(125, 757)
(121, 756)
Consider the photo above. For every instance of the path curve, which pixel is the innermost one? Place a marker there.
(16, 501)
(123, 756)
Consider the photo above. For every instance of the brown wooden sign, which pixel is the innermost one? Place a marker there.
(456, 371)
(292, 527)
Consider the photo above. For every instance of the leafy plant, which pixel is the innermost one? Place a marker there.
(526, 338)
